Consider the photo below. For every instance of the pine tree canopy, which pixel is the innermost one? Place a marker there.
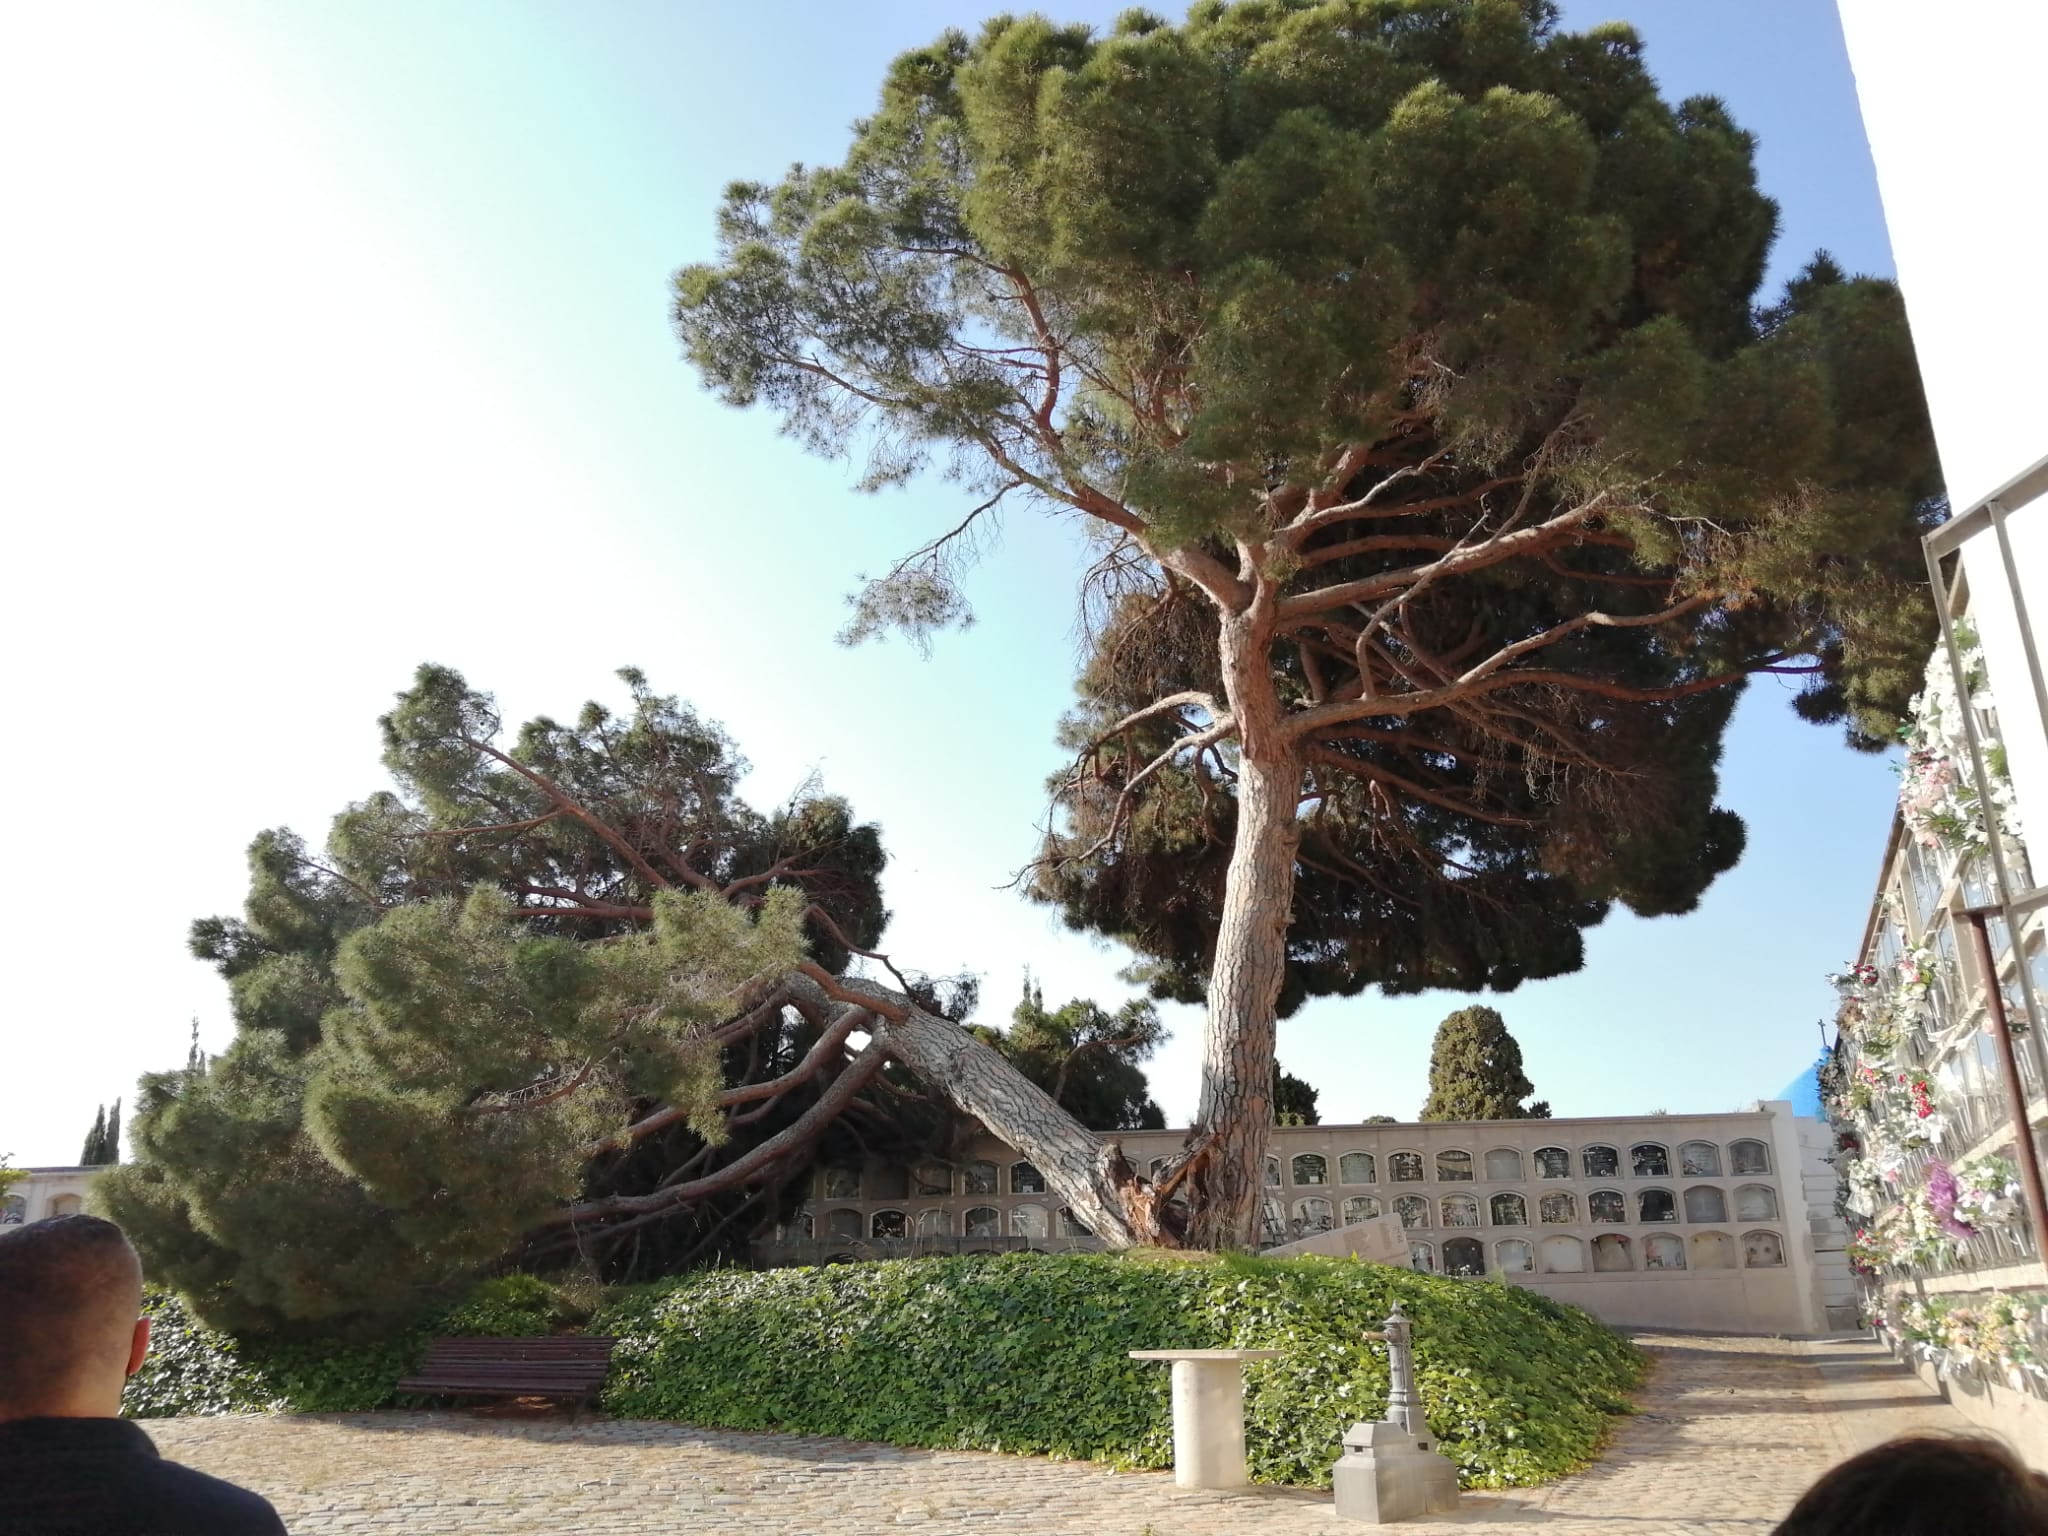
(1405, 365)
(530, 979)
(1089, 1059)
(1475, 1071)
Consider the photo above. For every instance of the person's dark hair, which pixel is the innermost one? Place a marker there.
(1925, 1485)
(70, 1291)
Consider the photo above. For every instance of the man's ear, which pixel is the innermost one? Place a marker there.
(138, 1346)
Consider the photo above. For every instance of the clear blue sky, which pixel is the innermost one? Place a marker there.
(337, 342)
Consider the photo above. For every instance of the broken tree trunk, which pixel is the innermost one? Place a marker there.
(1088, 1172)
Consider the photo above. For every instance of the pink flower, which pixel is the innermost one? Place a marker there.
(1941, 1200)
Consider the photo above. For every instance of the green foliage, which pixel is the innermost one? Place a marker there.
(485, 976)
(1088, 1059)
(1171, 276)
(509, 1307)
(1475, 1071)
(103, 1141)
(1294, 1100)
(194, 1369)
(1026, 1353)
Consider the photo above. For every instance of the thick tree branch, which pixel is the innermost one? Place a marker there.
(829, 1046)
(1473, 557)
(575, 809)
(1491, 674)
(800, 1133)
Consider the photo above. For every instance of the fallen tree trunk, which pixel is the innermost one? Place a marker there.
(1088, 1172)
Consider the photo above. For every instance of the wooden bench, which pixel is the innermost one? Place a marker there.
(571, 1367)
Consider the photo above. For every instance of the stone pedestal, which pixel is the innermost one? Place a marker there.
(1385, 1475)
(1208, 1413)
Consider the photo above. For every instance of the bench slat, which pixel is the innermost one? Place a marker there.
(538, 1367)
(493, 1372)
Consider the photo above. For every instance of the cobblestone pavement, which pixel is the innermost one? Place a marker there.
(1730, 1431)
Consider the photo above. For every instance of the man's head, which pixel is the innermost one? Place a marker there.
(70, 1326)
(1925, 1485)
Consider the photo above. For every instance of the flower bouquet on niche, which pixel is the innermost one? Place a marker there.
(1987, 1193)
(1869, 1190)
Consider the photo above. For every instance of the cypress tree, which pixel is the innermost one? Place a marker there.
(1475, 1071)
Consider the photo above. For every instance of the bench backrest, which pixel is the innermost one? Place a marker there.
(575, 1349)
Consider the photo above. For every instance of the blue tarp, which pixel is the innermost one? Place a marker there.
(1804, 1092)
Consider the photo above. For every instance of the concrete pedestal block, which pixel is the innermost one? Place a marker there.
(1385, 1475)
(1208, 1413)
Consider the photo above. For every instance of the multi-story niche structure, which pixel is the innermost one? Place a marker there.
(1720, 1222)
(1939, 1104)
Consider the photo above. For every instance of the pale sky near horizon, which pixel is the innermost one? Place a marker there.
(335, 340)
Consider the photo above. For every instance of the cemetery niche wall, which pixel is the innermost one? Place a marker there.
(1931, 1127)
(1721, 1222)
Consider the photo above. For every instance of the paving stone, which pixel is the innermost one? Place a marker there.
(1730, 1432)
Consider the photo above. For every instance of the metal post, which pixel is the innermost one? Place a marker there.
(1996, 509)
(2015, 1093)
(1980, 779)
(1404, 1407)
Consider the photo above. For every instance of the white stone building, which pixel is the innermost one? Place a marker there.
(1719, 1222)
(1952, 106)
(1953, 111)
(47, 1192)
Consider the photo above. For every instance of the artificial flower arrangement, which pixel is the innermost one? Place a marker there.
(1877, 1011)
(1907, 1236)
(1988, 1193)
(1937, 800)
(1869, 1190)
(2000, 1334)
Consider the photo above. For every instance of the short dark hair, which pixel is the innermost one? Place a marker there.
(69, 1286)
(1925, 1485)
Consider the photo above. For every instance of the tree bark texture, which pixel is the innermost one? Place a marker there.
(1088, 1173)
(1236, 1114)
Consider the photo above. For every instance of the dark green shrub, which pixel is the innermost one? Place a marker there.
(1028, 1353)
(193, 1369)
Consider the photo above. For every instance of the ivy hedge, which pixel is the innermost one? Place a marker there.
(1027, 1353)
(193, 1369)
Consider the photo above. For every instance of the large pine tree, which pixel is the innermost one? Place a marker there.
(1401, 360)
(498, 1008)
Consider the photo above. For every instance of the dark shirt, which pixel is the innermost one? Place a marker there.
(105, 1477)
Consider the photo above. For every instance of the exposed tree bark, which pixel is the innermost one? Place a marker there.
(756, 1164)
(1238, 1040)
(1087, 1172)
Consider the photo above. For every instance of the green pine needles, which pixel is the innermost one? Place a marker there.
(455, 1024)
(1444, 470)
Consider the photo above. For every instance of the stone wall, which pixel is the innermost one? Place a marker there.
(47, 1192)
(1721, 1222)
